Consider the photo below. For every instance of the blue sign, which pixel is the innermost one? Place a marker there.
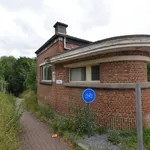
(88, 95)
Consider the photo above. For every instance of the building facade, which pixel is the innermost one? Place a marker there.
(67, 65)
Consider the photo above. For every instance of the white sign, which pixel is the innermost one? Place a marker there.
(53, 76)
(59, 81)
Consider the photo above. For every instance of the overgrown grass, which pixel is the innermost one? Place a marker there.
(9, 123)
(129, 138)
(29, 101)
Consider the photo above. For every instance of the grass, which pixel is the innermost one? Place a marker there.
(9, 123)
(29, 101)
(128, 139)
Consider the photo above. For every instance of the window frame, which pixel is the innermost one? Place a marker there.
(99, 72)
(42, 72)
(76, 80)
(88, 73)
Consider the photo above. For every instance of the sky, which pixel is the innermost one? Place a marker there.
(25, 25)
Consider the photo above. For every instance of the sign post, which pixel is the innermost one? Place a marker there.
(139, 117)
(88, 96)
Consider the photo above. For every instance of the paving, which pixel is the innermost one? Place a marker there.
(36, 136)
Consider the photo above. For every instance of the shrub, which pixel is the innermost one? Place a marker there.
(47, 112)
(80, 121)
(146, 138)
(114, 137)
(101, 130)
(29, 101)
(127, 133)
(9, 123)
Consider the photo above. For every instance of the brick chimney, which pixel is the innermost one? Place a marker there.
(60, 28)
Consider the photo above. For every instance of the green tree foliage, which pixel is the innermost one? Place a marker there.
(148, 71)
(7, 62)
(30, 80)
(20, 74)
(18, 80)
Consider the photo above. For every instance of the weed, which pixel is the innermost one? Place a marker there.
(9, 123)
(101, 130)
(114, 137)
(79, 121)
(29, 101)
(127, 133)
(47, 112)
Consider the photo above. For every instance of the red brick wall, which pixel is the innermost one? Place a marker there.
(146, 107)
(123, 72)
(46, 93)
(112, 108)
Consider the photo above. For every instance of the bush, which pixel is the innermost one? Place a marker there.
(9, 123)
(114, 137)
(29, 101)
(77, 123)
(101, 130)
(47, 112)
(146, 138)
(80, 121)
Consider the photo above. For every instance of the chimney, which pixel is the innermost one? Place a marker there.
(60, 28)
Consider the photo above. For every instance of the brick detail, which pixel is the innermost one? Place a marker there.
(123, 72)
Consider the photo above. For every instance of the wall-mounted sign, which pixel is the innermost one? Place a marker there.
(53, 76)
(59, 82)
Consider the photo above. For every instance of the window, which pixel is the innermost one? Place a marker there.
(95, 73)
(88, 73)
(78, 74)
(46, 72)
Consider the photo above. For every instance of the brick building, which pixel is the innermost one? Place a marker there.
(67, 65)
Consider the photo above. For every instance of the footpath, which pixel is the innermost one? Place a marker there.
(36, 136)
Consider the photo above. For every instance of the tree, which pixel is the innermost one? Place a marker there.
(7, 63)
(20, 75)
(30, 80)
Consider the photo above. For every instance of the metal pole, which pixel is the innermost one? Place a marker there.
(139, 117)
(89, 134)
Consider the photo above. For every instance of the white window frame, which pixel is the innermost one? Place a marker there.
(88, 73)
(43, 65)
(70, 74)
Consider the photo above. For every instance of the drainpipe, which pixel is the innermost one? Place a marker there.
(65, 46)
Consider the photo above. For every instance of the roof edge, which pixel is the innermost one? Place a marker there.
(60, 35)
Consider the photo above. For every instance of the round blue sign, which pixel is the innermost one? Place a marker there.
(88, 95)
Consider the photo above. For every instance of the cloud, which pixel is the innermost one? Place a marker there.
(27, 24)
(18, 5)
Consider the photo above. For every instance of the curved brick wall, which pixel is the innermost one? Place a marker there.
(123, 72)
(113, 108)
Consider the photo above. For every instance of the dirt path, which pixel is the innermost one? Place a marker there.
(35, 135)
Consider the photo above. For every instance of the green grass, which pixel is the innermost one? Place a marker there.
(131, 142)
(9, 123)
(129, 138)
(29, 101)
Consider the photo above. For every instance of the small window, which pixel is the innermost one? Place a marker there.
(46, 72)
(95, 72)
(78, 74)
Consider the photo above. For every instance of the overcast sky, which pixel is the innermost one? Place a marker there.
(26, 24)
